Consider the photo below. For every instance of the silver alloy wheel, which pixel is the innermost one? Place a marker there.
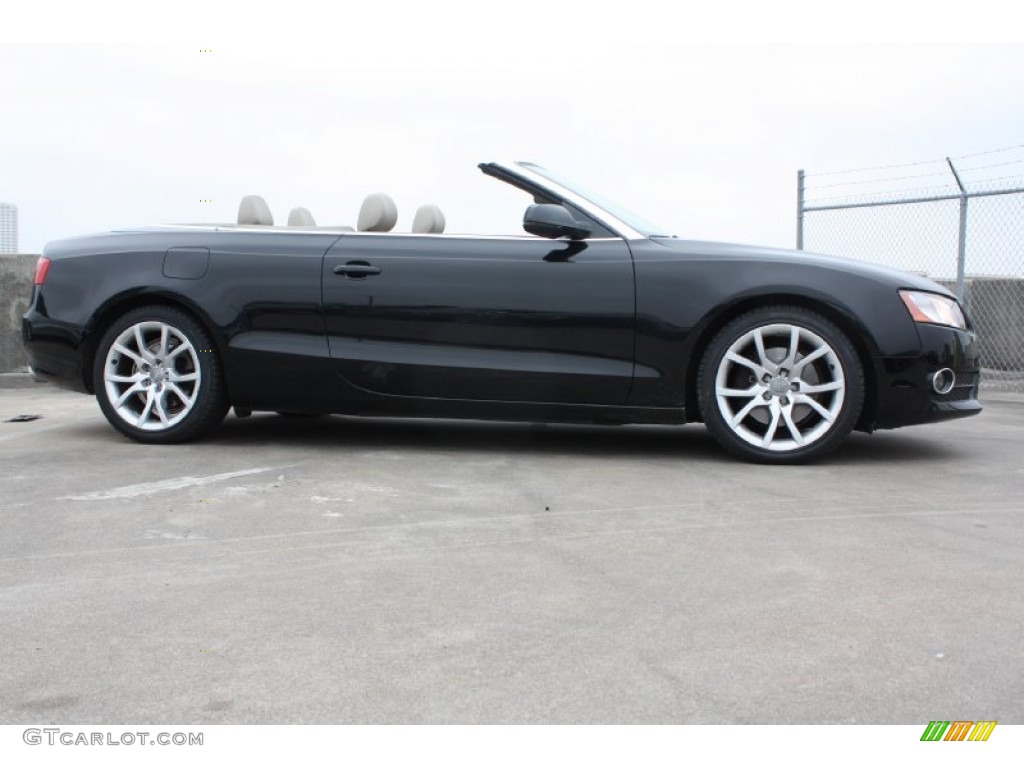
(780, 387)
(152, 375)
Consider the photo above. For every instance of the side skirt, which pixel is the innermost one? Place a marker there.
(503, 411)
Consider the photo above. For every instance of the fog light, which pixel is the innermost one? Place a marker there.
(943, 381)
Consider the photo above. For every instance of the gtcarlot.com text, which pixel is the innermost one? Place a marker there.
(54, 736)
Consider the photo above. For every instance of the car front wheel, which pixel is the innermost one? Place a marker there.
(157, 377)
(780, 385)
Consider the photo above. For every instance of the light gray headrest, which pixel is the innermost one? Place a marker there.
(378, 214)
(254, 210)
(301, 217)
(429, 220)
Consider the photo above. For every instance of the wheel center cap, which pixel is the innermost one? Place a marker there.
(157, 374)
(779, 386)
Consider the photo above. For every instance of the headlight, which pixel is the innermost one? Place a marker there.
(933, 308)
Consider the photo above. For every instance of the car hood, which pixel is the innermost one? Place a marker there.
(885, 275)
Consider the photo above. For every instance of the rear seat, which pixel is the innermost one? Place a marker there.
(428, 220)
(254, 211)
(301, 217)
(377, 214)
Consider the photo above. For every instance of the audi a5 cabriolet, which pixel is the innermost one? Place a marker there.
(591, 315)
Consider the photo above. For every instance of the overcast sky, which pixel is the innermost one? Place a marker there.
(703, 139)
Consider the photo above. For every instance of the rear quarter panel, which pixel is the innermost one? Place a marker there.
(259, 298)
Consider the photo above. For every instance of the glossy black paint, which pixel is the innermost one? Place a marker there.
(506, 328)
(526, 319)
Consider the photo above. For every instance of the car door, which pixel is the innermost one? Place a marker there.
(515, 319)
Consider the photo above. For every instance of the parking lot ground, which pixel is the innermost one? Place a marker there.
(342, 570)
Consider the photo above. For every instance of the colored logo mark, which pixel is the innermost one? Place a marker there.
(958, 730)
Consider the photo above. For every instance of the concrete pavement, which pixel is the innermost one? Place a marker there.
(342, 570)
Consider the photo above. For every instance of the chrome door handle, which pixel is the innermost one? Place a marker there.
(356, 269)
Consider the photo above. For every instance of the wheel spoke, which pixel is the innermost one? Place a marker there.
(766, 364)
(745, 411)
(140, 342)
(750, 392)
(787, 414)
(769, 434)
(813, 389)
(126, 379)
(740, 360)
(132, 390)
(188, 401)
(799, 366)
(175, 376)
(163, 340)
(183, 347)
(822, 410)
(160, 409)
(147, 408)
(125, 351)
(794, 343)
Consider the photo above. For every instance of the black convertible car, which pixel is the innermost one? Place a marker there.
(595, 316)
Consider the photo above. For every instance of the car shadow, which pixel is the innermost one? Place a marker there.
(691, 442)
(468, 436)
(633, 441)
(892, 448)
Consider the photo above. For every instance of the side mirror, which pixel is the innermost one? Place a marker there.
(547, 220)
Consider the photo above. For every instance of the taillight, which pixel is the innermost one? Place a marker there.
(42, 267)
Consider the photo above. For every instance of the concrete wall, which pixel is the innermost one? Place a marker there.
(16, 272)
(997, 308)
(996, 305)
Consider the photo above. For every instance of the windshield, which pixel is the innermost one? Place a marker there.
(637, 222)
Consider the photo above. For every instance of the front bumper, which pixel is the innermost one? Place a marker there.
(904, 394)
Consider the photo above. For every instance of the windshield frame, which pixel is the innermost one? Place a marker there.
(624, 222)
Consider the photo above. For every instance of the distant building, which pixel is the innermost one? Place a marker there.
(8, 228)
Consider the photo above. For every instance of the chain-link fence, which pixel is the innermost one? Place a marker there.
(964, 229)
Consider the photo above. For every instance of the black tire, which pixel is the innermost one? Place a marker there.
(171, 391)
(776, 402)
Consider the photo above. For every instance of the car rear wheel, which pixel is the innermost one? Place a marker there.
(157, 378)
(780, 385)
